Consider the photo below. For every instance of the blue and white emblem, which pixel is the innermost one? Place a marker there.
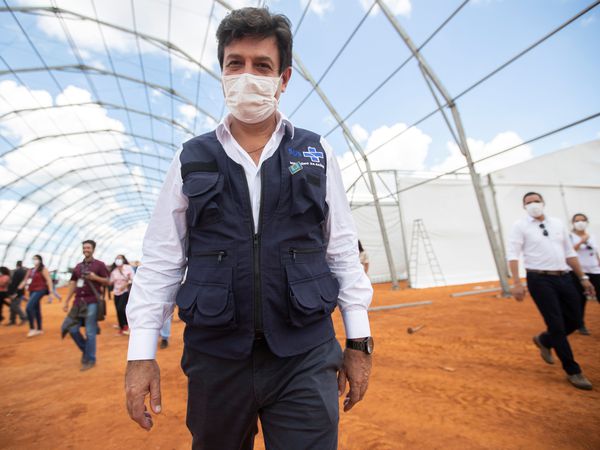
(314, 155)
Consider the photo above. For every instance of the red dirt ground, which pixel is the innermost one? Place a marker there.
(471, 378)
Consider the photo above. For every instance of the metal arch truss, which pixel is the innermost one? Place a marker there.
(74, 203)
(99, 71)
(107, 192)
(68, 14)
(163, 119)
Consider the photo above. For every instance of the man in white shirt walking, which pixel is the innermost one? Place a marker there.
(548, 257)
(257, 212)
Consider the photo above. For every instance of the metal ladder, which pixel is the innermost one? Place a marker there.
(419, 233)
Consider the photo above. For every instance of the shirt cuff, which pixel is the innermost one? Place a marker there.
(142, 344)
(356, 323)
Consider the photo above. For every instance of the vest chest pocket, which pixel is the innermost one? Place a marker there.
(203, 190)
(308, 191)
(311, 297)
(208, 304)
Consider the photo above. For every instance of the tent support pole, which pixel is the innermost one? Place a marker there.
(463, 145)
(402, 229)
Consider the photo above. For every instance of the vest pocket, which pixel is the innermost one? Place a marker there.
(202, 190)
(308, 191)
(208, 304)
(312, 297)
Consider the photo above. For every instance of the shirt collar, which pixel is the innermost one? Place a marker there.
(223, 128)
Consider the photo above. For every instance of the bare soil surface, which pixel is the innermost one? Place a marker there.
(471, 378)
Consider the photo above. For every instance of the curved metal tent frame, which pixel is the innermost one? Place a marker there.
(134, 213)
(164, 119)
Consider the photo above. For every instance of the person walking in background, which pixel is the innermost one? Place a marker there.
(587, 250)
(54, 277)
(38, 283)
(165, 333)
(4, 283)
(17, 295)
(87, 281)
(363, 256)
(548, 256)
(121, 277)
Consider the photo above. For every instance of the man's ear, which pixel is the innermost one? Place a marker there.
(285, 78)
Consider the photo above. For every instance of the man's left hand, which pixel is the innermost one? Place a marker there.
(588, 288)
(356, 370)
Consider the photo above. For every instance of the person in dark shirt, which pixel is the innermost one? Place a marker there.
(87, 282)
(17, 295)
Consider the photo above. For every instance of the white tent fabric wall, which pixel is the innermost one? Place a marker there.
(451, 216)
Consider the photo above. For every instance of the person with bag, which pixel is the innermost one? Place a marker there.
(38, 284)
(121, 277)
(87, 284)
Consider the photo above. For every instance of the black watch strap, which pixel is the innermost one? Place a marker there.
(364, 345)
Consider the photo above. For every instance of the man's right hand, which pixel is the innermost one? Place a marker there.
(142, 378)
(518, 292)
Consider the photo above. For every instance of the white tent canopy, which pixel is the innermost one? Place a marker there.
(569, 180)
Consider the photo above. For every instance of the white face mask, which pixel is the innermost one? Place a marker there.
(580, 225)
(118, 262)
(535, 209)
(36, 262)
(251, 98)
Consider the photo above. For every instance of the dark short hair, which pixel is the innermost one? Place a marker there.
(260, 23)
(19, 263)
(579, 214)
(532, 193)
(89, 241)
(4, 271)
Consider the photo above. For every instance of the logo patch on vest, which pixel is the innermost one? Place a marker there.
(314, 155)
(311, 153)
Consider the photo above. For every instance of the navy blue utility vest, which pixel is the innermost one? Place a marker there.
(243, 285)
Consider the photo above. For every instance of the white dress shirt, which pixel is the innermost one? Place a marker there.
(540, 252)
(588, 257)
(152, 296)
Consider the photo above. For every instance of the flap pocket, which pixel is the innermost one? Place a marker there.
(312, 296)
(198, 183)
(205, 303)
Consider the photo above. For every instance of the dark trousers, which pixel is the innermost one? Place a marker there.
(15, 309)
(3, 301)
(558, 301)
(295, 398)
(120, 305)
(595, 280)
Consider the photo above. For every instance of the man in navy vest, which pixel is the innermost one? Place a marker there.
(256, 212)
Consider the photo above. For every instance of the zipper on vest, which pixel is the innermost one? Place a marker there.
(258, 316)
(258, 325)
(294, 251)
(220, 254)
(257, 301)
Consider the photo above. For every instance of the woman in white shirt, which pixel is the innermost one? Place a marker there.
(121, 277)
(586, 247)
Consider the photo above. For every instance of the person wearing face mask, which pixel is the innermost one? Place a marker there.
(586, 247)
(38, 284)
(257, 212)
(121, 277)
(548, 257)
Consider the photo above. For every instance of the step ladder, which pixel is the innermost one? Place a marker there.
(419, 234)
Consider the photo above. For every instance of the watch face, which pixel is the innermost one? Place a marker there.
(370, 345)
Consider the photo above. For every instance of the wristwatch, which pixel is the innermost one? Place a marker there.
(365, 345)
(584, 277)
